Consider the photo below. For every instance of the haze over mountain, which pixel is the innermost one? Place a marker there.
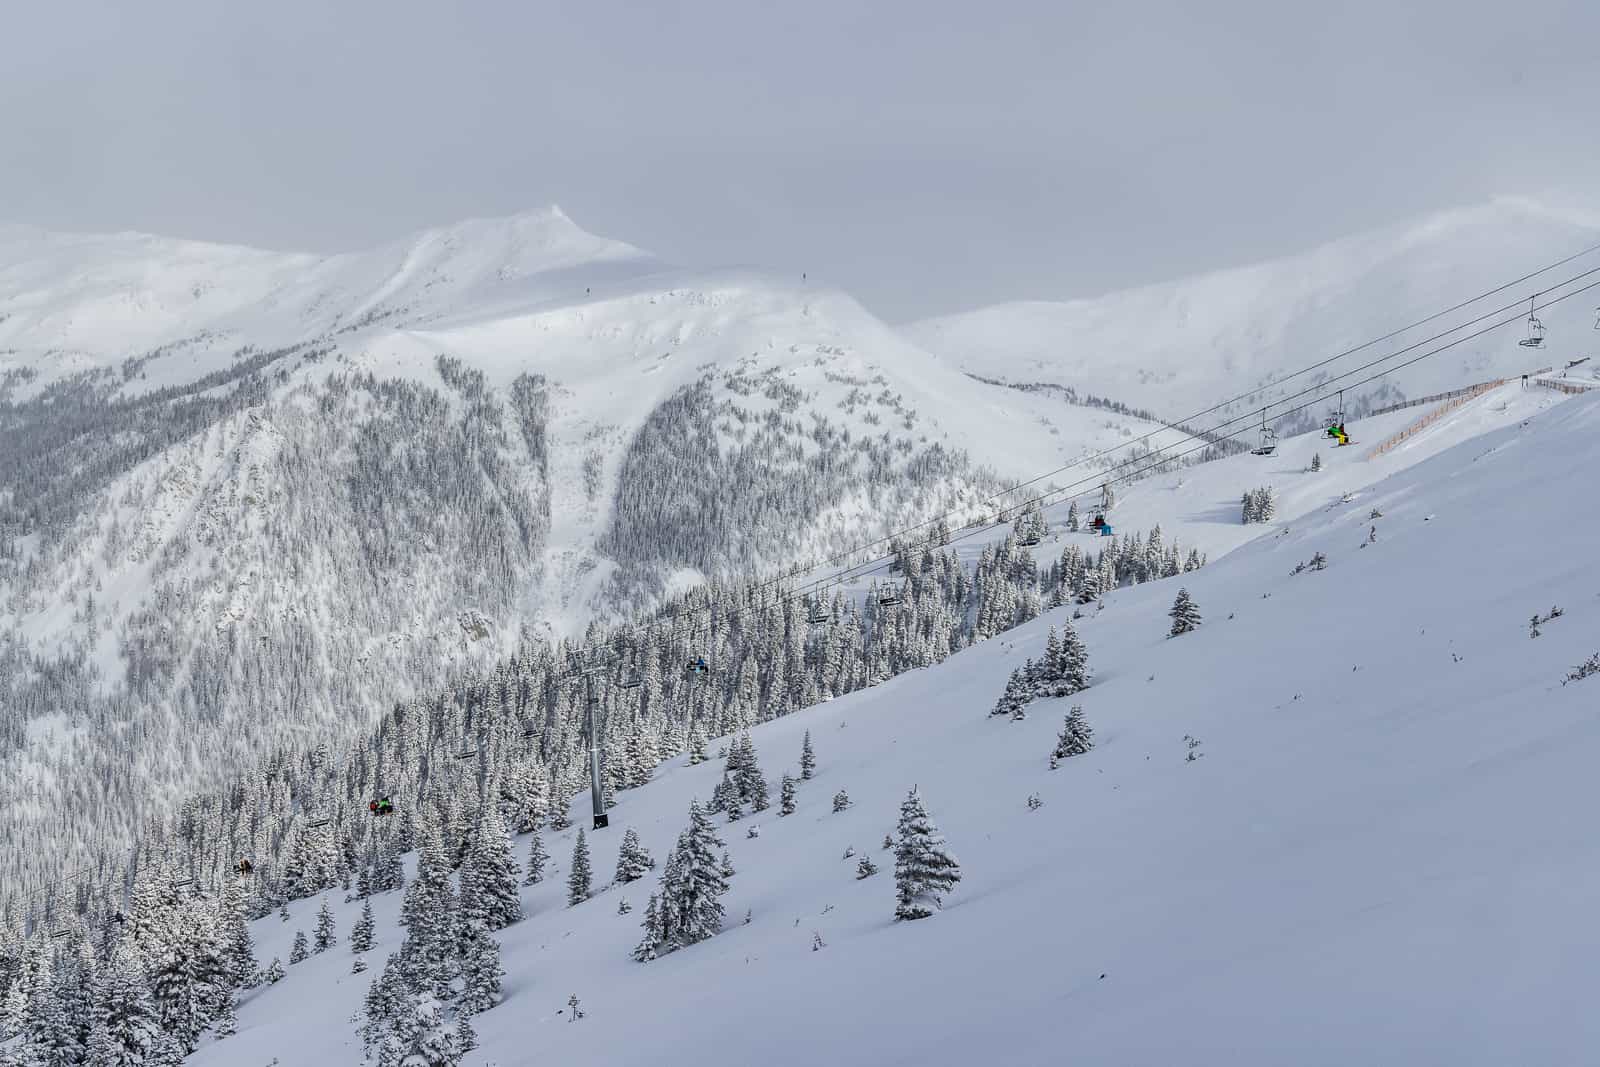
(1181, 346)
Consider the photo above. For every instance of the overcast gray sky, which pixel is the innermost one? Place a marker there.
(928, 156)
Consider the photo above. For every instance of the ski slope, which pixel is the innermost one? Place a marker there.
(1379, 854)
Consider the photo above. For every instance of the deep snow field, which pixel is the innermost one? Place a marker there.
(1382, 852)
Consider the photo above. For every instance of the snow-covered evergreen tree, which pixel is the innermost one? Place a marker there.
(1076, 737)
(688, 908)
(361, 933)
(697, 744)
(924, 870)
(326, 934)
(481, 971)
(581, 874)
(1316, 461)
(866, 868)
(1185, 614)
(645, 951)
(786, 796)
(126, 1025)
(633, 860)
(1014, 696)
(808, 759)
(537, 858)
(300, 950)
(489, 877)
(841, 801)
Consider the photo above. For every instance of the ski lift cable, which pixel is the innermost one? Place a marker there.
(1315, 401)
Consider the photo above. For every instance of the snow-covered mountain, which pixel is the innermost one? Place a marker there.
(248, 499)
(1181, 346)
(1339, 822)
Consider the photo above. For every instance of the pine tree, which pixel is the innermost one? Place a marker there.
(561, 814)
(126, 1026)
(481, 971)
(786, 796)
(537, 858)
(361, 932)
(418, 1035)
(866, 868)
(188, 975)
(632, 858)
(1013, 697)
(1185, 614)
(752, 784)
(1076, 737)
(389, 874)
(623, 907)
(466, 1036)
(535, 805)
(923, 870)
(300, 950)
(808, 759)
(1316, 461)
(653, 936)
(580, 875)
(689, 908)
(1071, 671)
(274, 971)
(227, 1022)
(239, 949)
(841, 801)
(697, 744)
(326, 935)
(489, 877)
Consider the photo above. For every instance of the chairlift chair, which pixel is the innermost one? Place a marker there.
(632, 681)
(889, 599)
(1269, 438)
(1535, 338)
(1029, 540)
(696, 666)
(819, 617)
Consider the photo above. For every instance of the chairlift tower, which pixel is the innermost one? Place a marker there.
(588, 666)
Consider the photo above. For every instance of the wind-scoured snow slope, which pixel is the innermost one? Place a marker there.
(1181, 346)
(248, 499)
(1377, 855)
